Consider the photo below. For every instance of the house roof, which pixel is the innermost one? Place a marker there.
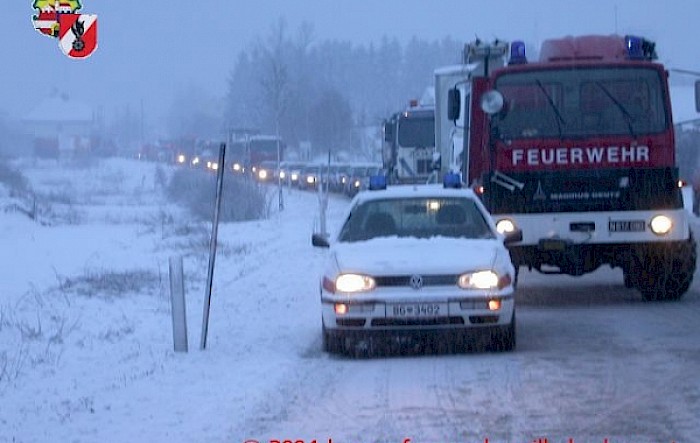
(60, 108)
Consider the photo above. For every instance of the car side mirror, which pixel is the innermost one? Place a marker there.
(513, 237)
(320, 241)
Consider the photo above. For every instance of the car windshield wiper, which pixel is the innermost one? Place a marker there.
(560, 119)
(628, 117)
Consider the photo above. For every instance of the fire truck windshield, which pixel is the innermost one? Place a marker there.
(267, 146)
(417, 131)
(582, 102)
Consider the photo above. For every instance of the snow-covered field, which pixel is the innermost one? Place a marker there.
(85, 324)
(86, 352)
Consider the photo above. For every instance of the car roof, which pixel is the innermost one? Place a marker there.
(411, 191)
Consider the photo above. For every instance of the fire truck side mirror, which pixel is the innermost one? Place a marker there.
(697, 96)
(492, 102)
(454, 103)
(388, 132)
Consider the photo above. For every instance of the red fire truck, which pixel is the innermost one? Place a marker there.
(577, 150)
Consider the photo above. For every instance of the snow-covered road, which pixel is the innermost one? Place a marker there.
(593, 362)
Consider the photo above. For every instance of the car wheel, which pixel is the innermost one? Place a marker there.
(503, 339)
(332, 341)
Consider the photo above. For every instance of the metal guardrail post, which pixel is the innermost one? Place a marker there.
(177, 301)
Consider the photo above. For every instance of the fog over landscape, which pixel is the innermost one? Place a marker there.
(148, 51)
(109, 170)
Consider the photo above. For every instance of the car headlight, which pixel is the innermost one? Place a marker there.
(661, 225)
(237, 167)
(505, 225)
(282, 174)
(483, 280)
(354, 283)
(262, 175)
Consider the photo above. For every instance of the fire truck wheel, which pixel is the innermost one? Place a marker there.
(666, 275)
(628, 278)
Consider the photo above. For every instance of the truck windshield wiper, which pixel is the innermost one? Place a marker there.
(560, 119)
(628, 117)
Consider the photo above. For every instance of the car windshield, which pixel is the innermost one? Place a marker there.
(423, 217)
(582, 102)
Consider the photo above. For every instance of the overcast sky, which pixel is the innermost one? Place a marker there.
(147, 49)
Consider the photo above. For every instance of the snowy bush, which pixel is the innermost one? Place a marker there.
(109, 283)
(242, 199)
(13, 180)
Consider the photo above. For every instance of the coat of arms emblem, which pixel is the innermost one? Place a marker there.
(76, 33)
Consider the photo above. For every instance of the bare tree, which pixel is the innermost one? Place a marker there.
(274, 75)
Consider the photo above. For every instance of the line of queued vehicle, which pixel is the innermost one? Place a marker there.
(347, 179)
(340, 178)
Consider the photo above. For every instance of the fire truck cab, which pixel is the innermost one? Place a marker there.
(408, 151)
(577, 150)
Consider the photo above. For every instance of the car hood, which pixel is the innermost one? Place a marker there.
(433, 256)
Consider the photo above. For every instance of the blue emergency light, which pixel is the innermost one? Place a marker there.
(452, 180)
(517, 53)
(634, 48)
(639, 48)
(377, 182)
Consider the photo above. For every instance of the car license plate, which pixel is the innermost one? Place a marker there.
(412, 310)
(627, 226)
(553, 244)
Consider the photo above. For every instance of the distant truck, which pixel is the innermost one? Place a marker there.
(408, 151)
(246, 153)
(577, 150)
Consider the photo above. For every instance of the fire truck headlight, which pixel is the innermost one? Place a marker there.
(661, 225)
(505, 225)
(492, 102)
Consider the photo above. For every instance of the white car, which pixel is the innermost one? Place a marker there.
(422, 261)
